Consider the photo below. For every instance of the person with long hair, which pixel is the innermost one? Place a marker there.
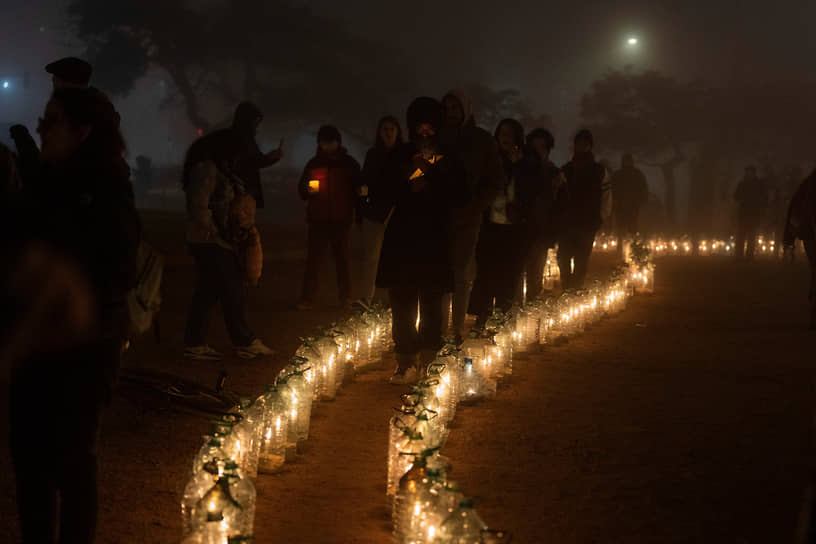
(380, 171)
(500, 253)
(74, 253)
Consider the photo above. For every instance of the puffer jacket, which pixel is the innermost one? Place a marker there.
(338, 178)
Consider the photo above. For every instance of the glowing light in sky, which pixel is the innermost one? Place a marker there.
(5, 84)
(632, 41)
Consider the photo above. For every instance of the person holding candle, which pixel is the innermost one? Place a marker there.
(380, 170)
(330, 185)
(588, 206)
(415, 262)
(500, 253)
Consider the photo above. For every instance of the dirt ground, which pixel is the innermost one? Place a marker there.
(684, 419)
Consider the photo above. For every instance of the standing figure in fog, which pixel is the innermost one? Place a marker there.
(752, 200)
(330, 184)
(629, 192)
(415, 264)
(801, 223)
(501, 248)
(380, 171)
(589, 204)
(478, 153)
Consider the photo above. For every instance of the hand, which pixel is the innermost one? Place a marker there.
(362, 190)
(516, 155)
(420, 163)
(18, 131)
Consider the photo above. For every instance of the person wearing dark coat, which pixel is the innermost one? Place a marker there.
(330, 184)
(752, 199)
(588, 205)
(415, 262)
(502, 242)
(629, 192)
(74, 251)
(380, 170)
(245, 128)
(540, 191)
(801, 224)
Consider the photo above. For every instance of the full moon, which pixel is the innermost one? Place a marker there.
(632, 41)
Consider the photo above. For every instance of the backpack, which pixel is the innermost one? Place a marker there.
(144, 300)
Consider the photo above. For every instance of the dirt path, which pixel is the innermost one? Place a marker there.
(684, 419)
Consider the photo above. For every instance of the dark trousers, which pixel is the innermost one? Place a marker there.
(56, 403)
(321, 236)
(404, 303)
(499, 262)
(219, 279)
(536, 262)
(575, 245)
(746, 235)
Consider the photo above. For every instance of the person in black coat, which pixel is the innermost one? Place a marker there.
(73, 251)
(415, 262)
(540, 193)
(588, 205)
(251, 160)
(380, 170)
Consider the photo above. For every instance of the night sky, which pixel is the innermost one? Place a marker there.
(551, 51)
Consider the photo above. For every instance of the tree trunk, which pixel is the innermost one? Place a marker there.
(191, 105)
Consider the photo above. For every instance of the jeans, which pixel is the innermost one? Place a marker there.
(320, 237)
(404, 303)
(575, 245)
(56, 403)
(219, 279)
(465, 239)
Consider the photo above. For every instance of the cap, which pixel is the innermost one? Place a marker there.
(72, 70)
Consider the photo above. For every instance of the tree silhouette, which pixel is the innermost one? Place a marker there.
(491, 106)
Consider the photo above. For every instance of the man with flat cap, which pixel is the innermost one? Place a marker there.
(66, 72)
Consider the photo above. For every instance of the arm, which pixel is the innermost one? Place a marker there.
(199, 192)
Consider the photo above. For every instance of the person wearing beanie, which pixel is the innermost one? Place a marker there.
(415, 264)
(330, 186)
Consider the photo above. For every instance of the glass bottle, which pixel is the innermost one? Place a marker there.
(201, 482)
(243, 493)
(273, 436)
(211, 450)
(217, 511)
(463, 526)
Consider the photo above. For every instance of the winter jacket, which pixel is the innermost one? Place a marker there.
(479, 154)
(380, 171)
(629, 191)
(589, 200)
(415, 248)
(209, 194)
(540, 189)
(801, 221)
(752, 197)
(338, 178)
(250, 159)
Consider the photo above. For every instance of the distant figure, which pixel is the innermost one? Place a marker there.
(415, 263)
(540, 191)
(380, 174)
(752, 199)
(142, 177)
(501, 248)
(66, 72)
(629, 193)
(477, 151)
(211, 190)
(589, 204)
(76, 256)
(251, 159)
(801, 223)
(330, 184)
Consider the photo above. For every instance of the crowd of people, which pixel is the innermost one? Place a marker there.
(453, 218)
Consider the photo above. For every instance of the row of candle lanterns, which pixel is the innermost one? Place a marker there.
(261, 435)
(765, 246)
(427, 506)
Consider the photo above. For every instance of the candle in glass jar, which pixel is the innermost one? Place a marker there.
(314, 185)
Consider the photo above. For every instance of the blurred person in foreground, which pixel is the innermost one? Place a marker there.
(588, 206)
(72, 258)
(415, 262)
(801, 224)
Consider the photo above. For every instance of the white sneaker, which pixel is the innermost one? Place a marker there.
(202, 353)
(407, 376)
(254, 350)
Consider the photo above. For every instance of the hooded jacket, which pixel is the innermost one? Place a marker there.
(479, 154)
(415, 247)
(338, 178)
(251, 159)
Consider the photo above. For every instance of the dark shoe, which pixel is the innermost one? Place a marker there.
(403, 376)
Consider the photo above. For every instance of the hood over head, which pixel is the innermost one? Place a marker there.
(463, 98)
(246, 118)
